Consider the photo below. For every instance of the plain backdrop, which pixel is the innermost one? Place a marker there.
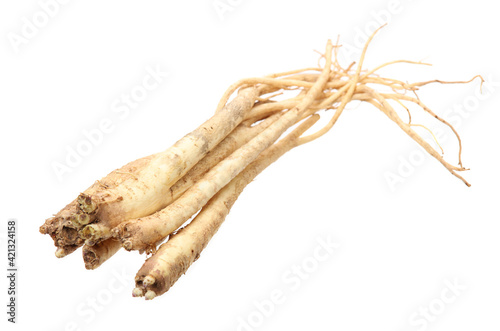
(416, 252)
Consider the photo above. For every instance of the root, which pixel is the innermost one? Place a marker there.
(175, 256)
(142, 203)
(140, 233)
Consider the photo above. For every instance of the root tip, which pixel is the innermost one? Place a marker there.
(138, 292)
(150, 295)
(80, 219)
(127, 245)
(60, 252)
(148, 280)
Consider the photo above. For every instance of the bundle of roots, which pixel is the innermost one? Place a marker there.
(147, 201)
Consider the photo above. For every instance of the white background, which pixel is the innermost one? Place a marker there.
(399, 246)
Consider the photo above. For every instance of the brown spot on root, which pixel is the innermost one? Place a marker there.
(97, 254)
(81, 219)
(90, 242)
(44, 229)
(90, 259)
(69, 235)
(128, 245)
(203, 136)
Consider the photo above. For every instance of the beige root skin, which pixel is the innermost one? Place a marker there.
(96, 232)
(143, 234)
(140, 187)
(240, 136)
(175, 256)
(138, 292)
(80, 219)
(145, 189)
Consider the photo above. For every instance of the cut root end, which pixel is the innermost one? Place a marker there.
(95, 232)
(128, 245)
(90, 242)
(90, 259)
(80, 219)
(86, 204)
(141, 204)
(44, 229)
(65, 250)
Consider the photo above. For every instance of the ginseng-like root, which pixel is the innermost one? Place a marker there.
(140, 204)
(175, 256)
(143, 234)
(141, 187)
(94, 233)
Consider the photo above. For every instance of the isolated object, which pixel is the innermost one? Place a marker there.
(148, 200)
